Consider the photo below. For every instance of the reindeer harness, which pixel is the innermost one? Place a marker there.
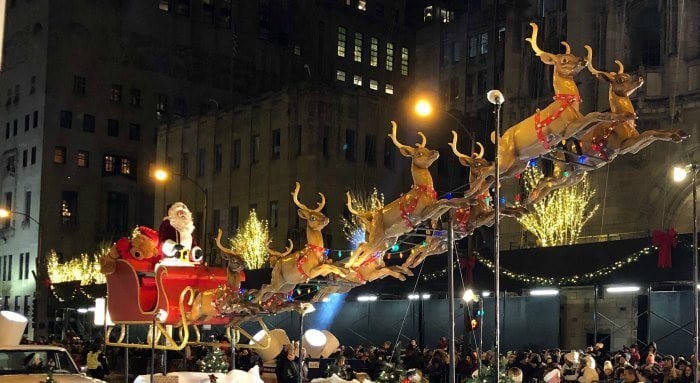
(408, 205)
(313, 250)
(369, 260)
(565, 100)
(599, 145)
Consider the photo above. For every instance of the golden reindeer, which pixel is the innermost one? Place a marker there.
(606, 140)
(404, 214)
(537, 134)
(290, 269)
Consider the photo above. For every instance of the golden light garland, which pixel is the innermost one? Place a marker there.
(353, 229)
(559, 217)
(85, 269)
(252, 240)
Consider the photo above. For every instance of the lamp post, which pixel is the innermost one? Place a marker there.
(305, 309)
(162, 175)
(7, 214)
(679, 175)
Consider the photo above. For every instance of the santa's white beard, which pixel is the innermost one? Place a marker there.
(184, 227)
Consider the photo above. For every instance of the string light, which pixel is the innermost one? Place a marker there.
(252, 240)
(85, 269)
(559, 217)
(353, 229)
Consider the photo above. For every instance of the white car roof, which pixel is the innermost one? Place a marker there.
(30, 347)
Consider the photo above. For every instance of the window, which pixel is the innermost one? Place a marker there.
(24, 158)
(14, 127)
(117, 212)
(33, 156)
(134, 132)
(27, 206)
(69, 206)
(201, 161)
(389, 89)
(79, 85)
(362, 5)
(164, 5)
(472, 47)
(7, 130)
(88, 123)
(21, 265)
(162, 104)
(342, 40)
(109, 165)
(388, 153)
(112, 128)
(125, 166)
(32, 85)
(223, 19)
(15, 100)
(182, 7)
(370, 149)
(26, 122)
(297, 140)
(9, 268)
(389, 57)
(297, 50)
(115, 93)
(373, 52)
(135, 97)
(233, 220)
(373, 84)
(340, 75)
(26, 265)
(274, 208)
(483, 43)
(59, 155)
(350, 138)
(180, 106)
(83, 158)
(357, 80)
(236, 154)
(35, 119)
(428, 14)
(276, 143)
(446, 16)
(357, 53)
(26, 298)
(255, 149)
(66, 119)
(218, 158)
(404, 61)
(456, 51)
(185, 165)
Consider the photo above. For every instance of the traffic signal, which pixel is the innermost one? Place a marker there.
(480, 312)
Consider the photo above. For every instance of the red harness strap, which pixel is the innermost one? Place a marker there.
(369, 260)
(600, 144)
(462, 217)
(408, 205)
(300, 263)
(565, 100)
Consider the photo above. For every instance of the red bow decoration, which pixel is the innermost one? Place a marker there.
(468, 264)
(665, 241)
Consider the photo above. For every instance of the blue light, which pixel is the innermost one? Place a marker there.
(448, 196)
(395, 247)
(503, 200)
(479, 313)
(533, 162)
(582, 159)
(327, 311)
(358, 236)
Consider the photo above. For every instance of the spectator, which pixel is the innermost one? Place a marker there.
(96, 362)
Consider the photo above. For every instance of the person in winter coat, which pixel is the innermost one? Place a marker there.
(588, 373)
(571, 366)
(96, 362)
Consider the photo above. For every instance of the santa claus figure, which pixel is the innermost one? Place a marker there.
(175, 236)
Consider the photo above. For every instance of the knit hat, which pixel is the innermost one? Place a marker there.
(572, 357)
(607, 365)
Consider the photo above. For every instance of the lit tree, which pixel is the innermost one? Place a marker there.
(559, 217)
(85, 269)
(214, 361)
(251, 241)
(353, 229)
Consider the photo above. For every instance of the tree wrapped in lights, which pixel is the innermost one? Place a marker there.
(85, 268)
(213, 362)
(559, 217)
(353, 229)
(251, 241)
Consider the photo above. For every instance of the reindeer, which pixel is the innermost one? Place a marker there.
(402, 215)
(537, 134)
(290, 269)
(606, 140)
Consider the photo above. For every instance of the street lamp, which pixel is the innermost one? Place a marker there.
(679, 174)
(161, 174)
(424, 109)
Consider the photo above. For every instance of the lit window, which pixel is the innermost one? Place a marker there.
(109, 164)
(59, 155)
(358, 47)
(389, 57)
(373, 84)
(125, 166)
(115, 93)
(83, 159)
(484, 43)
(428, 14)
(446, 16)
(389, 89)
(65, 212)
(362, 5)
(373, 51)
(472, 47)
(340, 75)
(342, 40)
(404, 61)
(164, 5)
(357, 80)
(297, 50)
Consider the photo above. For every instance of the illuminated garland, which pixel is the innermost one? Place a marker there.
(555, 281)
(85, 269)
(251, 241)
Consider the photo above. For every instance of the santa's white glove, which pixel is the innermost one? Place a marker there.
(170, 248)
(197, 254)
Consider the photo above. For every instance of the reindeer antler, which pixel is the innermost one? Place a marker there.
(425, 140)
(233, 256)
(589, 63)
(481, 150)
(453, 145)
(393, 136)
(567, 46)
(349, 205)
(620, 66)
(533, 40)
(295, 198)
(287, 250)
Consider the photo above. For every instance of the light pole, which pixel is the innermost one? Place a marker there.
(679, 174)
(162, 175)
(38, 272)
(305, 309)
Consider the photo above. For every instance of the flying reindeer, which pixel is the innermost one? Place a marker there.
(402, 215)
(290, 269)
(537, 134)
(606, 140)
